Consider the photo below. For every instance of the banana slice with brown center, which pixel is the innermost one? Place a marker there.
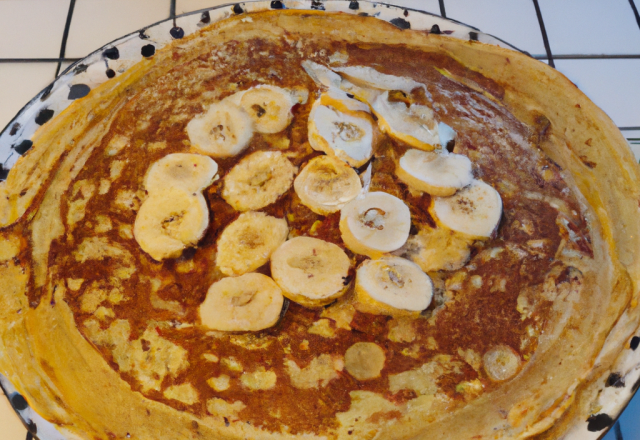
(437, 173)
(346, 134)
(326, 184)
(248, 242)
(475, 210)
(223, 130)
(270, 106)
(392, 286)
(258, 180)
(250, 302)
(169, 221)
(190, 172)
(310, 271)
(375, 223)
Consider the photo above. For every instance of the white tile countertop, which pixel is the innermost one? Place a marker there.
(595, 43)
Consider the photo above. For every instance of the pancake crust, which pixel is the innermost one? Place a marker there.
(105, 342)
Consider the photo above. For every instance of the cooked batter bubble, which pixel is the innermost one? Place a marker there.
(310, 271)
(326, 184)
(392, 286)
(224, 130)
(170, 221)
(364, 360)
(438, 173)
(250, 302)
(190, 172)
(375, 223)
(270, 106)
(248, 242)
(475, 210)
(340, 126)
(258, 180)
(501, 363)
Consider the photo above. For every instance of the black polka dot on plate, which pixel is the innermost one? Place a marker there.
(277, 5)
(148, 51)
(400, 23)
(46, 92)
(177, 32)
(237, 9)
(354, 6)
(143, 34)
(205, 18)
(3, 173)
(435, 29)
(112, 53)
(29, 436)
(110, 73)
(22, 147)
(77, 91)
(635, 342)
(317, 5)
(405, 13)
(19, 402)
(14, 129)
(473, 36)
(614, 380)
(32, 428)
(43, 116)
(80, 68)
(598, 422)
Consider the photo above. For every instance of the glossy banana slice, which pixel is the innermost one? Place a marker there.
(392, 286)
(250, 302)
(190, 172)
(375, 223)
(248, 242)
(326, 184)
(258, 180)
(475, 210)
(348, 135)
(224, 130)
(310, 271)
(437, 173)
(270, 106)
(170, 221)
(413, 124)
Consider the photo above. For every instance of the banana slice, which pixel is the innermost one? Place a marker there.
(224, 130)
(412, 124)
(258, 180)
(310, 271)
(326, 184)
(248, 242)
(392, 286)
(250, 302)
(169, 221)
(369, 77)
(270, 106)
(190, 172)
(437, 249)
(346, 135)
(375, 223)
(340, 101)
(475, 210)
(437, 173)
(322, 75)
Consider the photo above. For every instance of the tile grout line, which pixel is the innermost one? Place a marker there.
(443, 12)
(39, 60)
(545, 39)
(172, 11)
(635, 12)
(65, 35)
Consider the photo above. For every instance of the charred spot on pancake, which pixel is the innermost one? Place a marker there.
(635, 342)
(598, 422)
(148, 50)
(112, 53)
(44, 116)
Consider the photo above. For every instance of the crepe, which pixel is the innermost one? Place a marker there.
(125, 361)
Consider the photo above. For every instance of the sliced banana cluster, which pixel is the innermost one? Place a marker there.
(226, 128)
(258, 180)
(248, 242)
(342, 127)
(250, 302)
(175, 215)
(374, 224)
(392, 286)
(310, 271)
(326, 184)
(438, 173)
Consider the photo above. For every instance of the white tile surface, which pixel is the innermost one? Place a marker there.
(613, 85)
(22, 21)
(591, 26)
(18, 84)
(514, 21)
(97, 22)
(11, 426)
